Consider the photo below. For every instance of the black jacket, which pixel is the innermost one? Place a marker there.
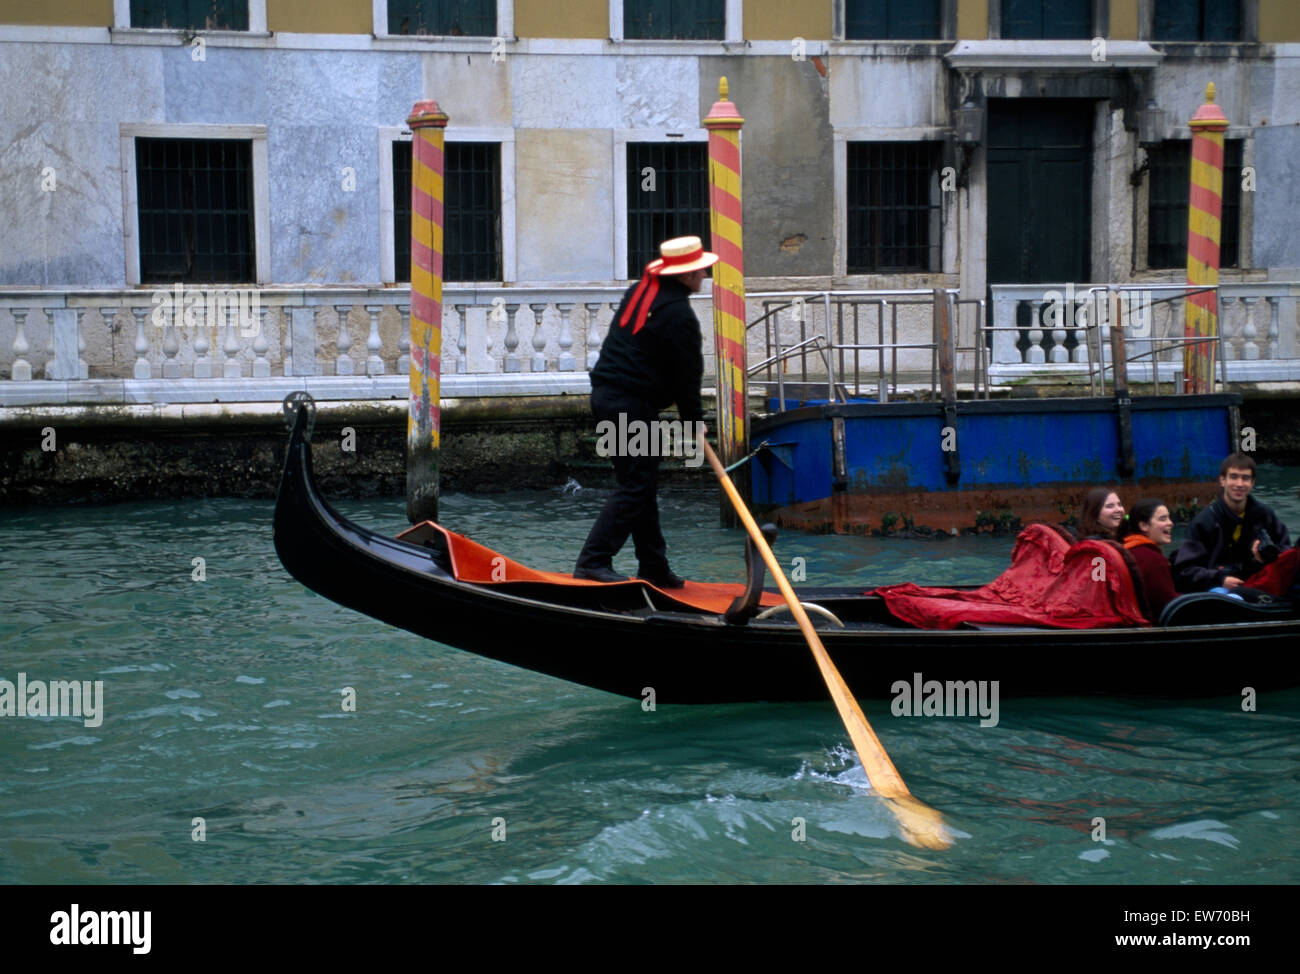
(1210, 552)
(663, 362)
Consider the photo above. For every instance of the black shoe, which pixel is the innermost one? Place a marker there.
(599, 575)
(665, 580)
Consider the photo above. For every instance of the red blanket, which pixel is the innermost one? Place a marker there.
(1277, 578)
(1052, 583)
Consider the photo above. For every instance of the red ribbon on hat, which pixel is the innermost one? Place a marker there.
(648, 288)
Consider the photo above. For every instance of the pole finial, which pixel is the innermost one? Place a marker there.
(1209, 92)
(722, 88)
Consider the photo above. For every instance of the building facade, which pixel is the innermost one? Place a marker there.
(887, 143)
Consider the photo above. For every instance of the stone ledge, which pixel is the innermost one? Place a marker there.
(326, 388)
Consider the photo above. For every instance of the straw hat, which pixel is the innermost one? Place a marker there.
(681, 255)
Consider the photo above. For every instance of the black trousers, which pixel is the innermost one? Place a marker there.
(633, 509)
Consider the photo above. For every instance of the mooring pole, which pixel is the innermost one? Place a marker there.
(724, 124)
(423, 439)
(1205, 205)
(945, 335)
(1127, 464)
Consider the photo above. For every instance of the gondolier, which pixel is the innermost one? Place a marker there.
(651, 358)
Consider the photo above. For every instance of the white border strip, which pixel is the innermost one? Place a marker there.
(129, 131)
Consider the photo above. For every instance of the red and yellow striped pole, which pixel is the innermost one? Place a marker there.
(724, 124)
(423, 440)
(1205, 204)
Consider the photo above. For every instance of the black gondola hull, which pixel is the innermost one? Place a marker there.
(693, 657)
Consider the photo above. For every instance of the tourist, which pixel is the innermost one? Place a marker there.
(1231, 539)
(1102, 515)
(650, 359)
(1148, 527)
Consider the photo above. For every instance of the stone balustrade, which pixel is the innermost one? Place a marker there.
(1259, 324)
(253, 344)
(248, 344)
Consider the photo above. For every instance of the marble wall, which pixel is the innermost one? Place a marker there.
(61, 179)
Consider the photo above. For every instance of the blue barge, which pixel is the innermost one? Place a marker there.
(973, 465)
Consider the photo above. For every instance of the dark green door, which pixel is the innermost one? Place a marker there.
(1039, 190)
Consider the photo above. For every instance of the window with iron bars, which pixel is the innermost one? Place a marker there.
(190, 14)
(673, 20)
(195, 210)
(894, 207)
(892, 20)
(471, 211)
(1167, 204)
(1196, 20)
(454, 18)
(667, 196)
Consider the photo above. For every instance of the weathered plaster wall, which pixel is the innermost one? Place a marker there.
(973, 19)
(1279, 21)
(320, 16)
(888, 92)
(471, 88)
(1123, 20)
(778, 21)
(561, 18)
(61, 13)
(1277, 201)
(566, 177)
(786, 169)
(61, 110)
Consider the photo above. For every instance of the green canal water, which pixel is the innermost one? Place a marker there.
(223, 701)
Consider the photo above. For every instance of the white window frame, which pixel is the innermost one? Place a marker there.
(505, 23)
(129, 132)
(621, 138)
(733, 26)
(505, 137)
(948, 238)
(256, 17)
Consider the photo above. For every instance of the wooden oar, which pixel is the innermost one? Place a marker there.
(921, 825)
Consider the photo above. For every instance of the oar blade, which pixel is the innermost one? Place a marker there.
(919, 824)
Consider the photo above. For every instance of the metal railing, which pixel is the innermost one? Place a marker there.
(1086, 316)
(1257, 339)
(829, 328)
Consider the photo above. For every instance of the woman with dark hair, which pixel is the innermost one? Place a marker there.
(1147, 528)
(1102, 514)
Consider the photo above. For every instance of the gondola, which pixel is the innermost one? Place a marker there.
(631, 639)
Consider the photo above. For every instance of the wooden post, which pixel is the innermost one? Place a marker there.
(1205, 204)
(423, 439)
(945, 336)
(1127, 463)
(724, 124)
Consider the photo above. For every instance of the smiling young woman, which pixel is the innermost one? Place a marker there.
(1147, 527)
(1102, 514)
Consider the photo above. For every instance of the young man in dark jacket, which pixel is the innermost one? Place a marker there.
(650, 359)
(1222, 546)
